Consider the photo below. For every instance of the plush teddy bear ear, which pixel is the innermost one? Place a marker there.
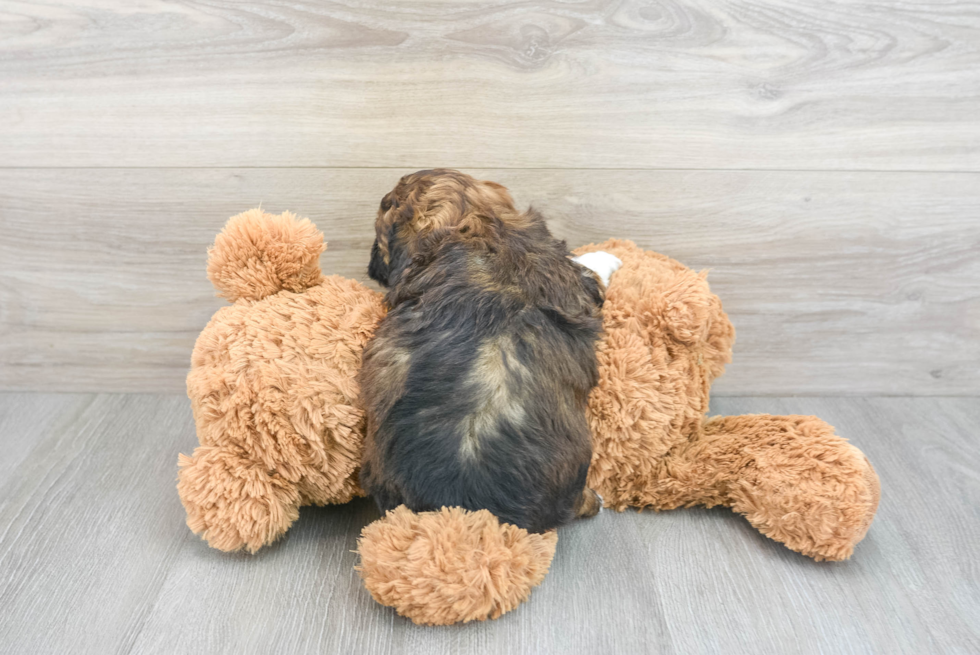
(259, 254)
(451, 565)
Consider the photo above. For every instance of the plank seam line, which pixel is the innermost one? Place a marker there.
(505, 168)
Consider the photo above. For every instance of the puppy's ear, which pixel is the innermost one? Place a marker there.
(387, 271)
(378, 270)
(594, 288)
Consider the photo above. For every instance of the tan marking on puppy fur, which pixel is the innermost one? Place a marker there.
(385, 381)
(389, 373)
(589, 505)
(495, 371)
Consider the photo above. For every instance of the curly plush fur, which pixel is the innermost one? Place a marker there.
(452, 565)
(666, 339)
(273, 385)
(275, 398)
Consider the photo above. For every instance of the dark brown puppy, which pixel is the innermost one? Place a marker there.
(476, 381)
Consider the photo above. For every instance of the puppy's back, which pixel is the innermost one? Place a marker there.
(477, 379)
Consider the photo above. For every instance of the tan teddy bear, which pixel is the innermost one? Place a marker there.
(275, 399)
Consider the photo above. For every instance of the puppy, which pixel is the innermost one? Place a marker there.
(476, 381)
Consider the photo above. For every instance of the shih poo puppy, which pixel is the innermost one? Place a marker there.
(475, 383)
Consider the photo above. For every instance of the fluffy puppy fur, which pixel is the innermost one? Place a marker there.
(476, 381)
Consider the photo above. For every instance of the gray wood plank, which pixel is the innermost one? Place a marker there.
(919, 556)
(94, 557)
(89, 521)
(837, 282)
(801, 84)
(26, 419)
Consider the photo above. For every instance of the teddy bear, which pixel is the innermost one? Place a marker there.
(274, 393)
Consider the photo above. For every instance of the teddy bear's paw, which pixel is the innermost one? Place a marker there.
(259, 254)
(798, 482)
(233, 502)
(452, 565)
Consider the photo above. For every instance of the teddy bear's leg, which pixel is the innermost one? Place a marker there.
(451, 565)
(233, 502)
(791, 476)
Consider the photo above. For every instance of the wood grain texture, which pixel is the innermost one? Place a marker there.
(800, 84)
(87, 532)
(841, 283)
(26, 419)
(95, 558)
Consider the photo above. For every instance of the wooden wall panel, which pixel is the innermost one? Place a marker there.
(737, 84)
(838, 282)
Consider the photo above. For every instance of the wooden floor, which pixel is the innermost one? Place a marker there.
(95, 556)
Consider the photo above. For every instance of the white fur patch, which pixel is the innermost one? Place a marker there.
(601, 262)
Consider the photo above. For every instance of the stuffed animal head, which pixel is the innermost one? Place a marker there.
(273, 384)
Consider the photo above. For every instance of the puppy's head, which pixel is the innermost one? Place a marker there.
(428, 204)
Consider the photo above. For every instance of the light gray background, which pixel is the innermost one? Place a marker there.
(821, 158)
